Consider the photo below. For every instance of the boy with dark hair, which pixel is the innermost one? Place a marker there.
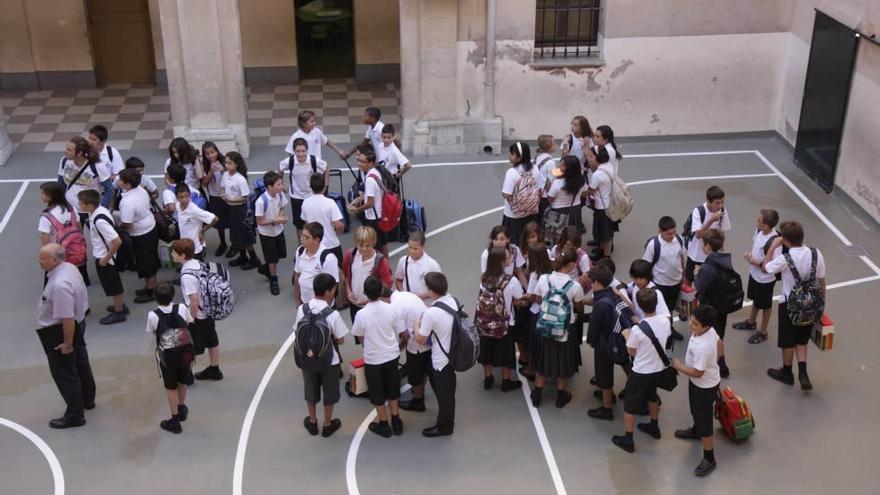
(269, 213)
(370, 203)
(389, 155)
(603, 319)
(105, 242)
(312, 258)
(192, 221)
(761, 283)
(136, 218)
(667, 253)
(108, 158)
(323, 210)
(436, 325)
(708, 285)
(709, 215)
(642, 277)
(373, 136)
(147, 183)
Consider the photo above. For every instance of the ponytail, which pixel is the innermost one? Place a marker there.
(608, 134)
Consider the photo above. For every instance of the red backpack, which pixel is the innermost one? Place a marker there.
(70, 238)
(734, 415)
(392, 207)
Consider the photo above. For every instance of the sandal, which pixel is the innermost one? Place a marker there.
(758, 337)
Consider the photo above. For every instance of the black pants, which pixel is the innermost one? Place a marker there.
(73, 376)
(443, 384)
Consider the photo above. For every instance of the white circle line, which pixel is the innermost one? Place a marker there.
(54, 465)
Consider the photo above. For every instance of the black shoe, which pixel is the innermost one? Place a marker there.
(806, 384)
(172, 425)
(593, 243)
(687, 434)
(221, 250)
(65, 422)
(563, 397)
(273, 287)
(310, 427)
(330, 429)
(536, 397)
(210, 373)
(415, 405)
(437, 431)
(488, 382)
(232, 253)
(89, 406)
(396, 425)
(142, 292)
(112, 318)
(601, 413)
(650, 429)
(724, 371)
(598, 394)
(251, 264)
(144, 298)
(705, 467)
(240, 261)
(780, 375)
(382, 429)
(508, 385)
(593, 381)
(112, 309)
(623, 443)
(182, 412)
(745, 325)
(677, 335)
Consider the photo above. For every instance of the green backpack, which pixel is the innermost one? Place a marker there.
(556, 310)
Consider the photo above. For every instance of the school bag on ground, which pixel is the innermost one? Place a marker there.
(250, 216)
(69, 235)
(314, 344)
(491, 316)
(339, 199)
(124, 259)
(356, 386)
(804, 303)
(216, 296)
(734, 415)
(412, 219)
(729, 295)
(173, 339)
(621, 199)
(656, 246)
(464, 342)
(556, 310)
(526, 196)
(688, 224)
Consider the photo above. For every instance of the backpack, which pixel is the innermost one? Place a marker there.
(171, 331)
(196, 197)
(166, 225)
(615, 342)
(250, 217)
(464, 343)
(804, 303)
(728, 289)
(688, 224)
(322, 257)
(70, 237)
(526, 196)
(314, 343)
(556, 310)
(216, 297)
(392, 207)
(388, 178)
(124, 259)
(734, 415)
(491, 317)
(290, 163)
(656, 240)
(621, 199)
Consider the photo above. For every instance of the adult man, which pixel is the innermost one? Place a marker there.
(61, 312)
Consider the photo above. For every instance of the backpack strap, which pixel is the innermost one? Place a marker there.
(646, 329)
(793, 269)
(814, 259)
(769, 242)
(656, 256)
(702, 211)
(545, 160)
(323, 257)
(406, 271)
(455, 322)
(81, 171)
(314, 162)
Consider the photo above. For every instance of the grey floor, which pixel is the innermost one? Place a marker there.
(806, 443)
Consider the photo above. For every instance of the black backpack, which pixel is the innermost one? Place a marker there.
(464, 343)
(688, 224)
(766, 250)
(314, 344)
(124, 259)
(388, 179)
(727, 289)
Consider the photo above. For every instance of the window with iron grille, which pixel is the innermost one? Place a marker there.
(566, 28)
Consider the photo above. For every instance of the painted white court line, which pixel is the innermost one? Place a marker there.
(15, 201)
(54, 465)
(432, 233)
(847, 283)
(542, 437)
(690, 153)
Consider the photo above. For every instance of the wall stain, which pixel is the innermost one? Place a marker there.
(519, 54)
(865, 192)
(592, 85)
(715, 80)
(477, 56)
(655, 119)
(467, 112)
(620, 69)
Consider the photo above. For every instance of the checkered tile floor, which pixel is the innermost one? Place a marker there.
(139, 117)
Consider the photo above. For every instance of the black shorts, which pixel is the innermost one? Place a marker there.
(702, 402)
(296, 208)
(109, 277)
(381, 237)
(383, 381)
(204, 335)
(670, 295)
(640, 389)
(218, 207)
(603, 228)
(689, 268)
(604, 368)
(274, 248)
(314, 383)
(791, 335)
(146, 252)
(761, 294)
(417, 367)
(176, 368)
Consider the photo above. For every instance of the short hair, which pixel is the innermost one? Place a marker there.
(164, 293)
(271, 177)
(373, 288)
(89, 197)
(436, 282)
(323, 283)
(647, 299)
(769, 217)
(184, 247)
(641, 269)
(609, 264)
(365, 235)
(388, 129)
(300, 142)
(99, 132)
(545, 141)
(314, 229)
(130, 176)
(714, 193)
(373, 112)
(369, 155)
(176, 172)
(601, 274)
(417, 236)
(666, 223)
(793, 232)
(181, 187)
(303, 117)
(706, 314)
(316, 183)
(134, 162)
(715, 239)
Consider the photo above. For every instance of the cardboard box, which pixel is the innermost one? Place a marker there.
(823, 333)
(358, 377)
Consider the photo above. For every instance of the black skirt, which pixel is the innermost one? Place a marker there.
(520, 329)
(498, 352)
(554, 359)
(218, 207)
(532, 337)
(239, 233)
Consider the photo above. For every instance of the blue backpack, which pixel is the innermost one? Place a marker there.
(259, 193)
(196, 198)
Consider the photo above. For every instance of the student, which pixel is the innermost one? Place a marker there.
(580, 139)
(565, 197)
(323, 210)
(174, 174)
(603, 320)
(554, 358)
(183, 153)
(358, 264)
(175, 362)
(539, 264)
(147, 183)
(642, 278)
(389, 154)
(532, 235)
(707, 285)
(301, 166)
(307, 128)
(793, 339)
(193, 221)
(213, 166)
(326, 381)
(571, 239)
(379, 328)
(600, 190)
(312, 258)
(544, 156)
(235, 190)
(409, 308)
(202, 327)
(373, 136)
(701, 367)
(370, 203)
(603, 136)
(761, 283)
(136, 218)
(497, 352)
(641, 384)
(412, 268)
(709, 215)
(108, 158)
(436, 325)
(105, 242)
(666, 253)
(78, 171)
(52, 195)
(269, 213)
(499, 237)
(522, 190)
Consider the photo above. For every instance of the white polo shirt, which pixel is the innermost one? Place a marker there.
(601, 181)
(190, 221)
(134, 209)
(302, 172)
(545, 163)
(391, 157)
(702, 355)
(373, 188)
(377, 324)
(270, 208)
(314, 140)
(100, 232)
(169, 197)
(647, 360)
(309, 266)
(409, 308)
(337, 326)
(561, 198)
(516, 259)
(802, 258)
(374, 134)
(321, 209)
(667, 270)
(695, 246)
(759, 240)
(114, 165)
(189, 285)
(437, 325)
(235, 186)
(414, 271)
(361, 269)
(661, 310)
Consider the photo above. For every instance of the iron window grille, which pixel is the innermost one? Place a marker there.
(566, 28)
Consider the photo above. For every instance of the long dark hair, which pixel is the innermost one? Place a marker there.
(522, 150)
(496, 230)
(531, 228)
(55, 193)
(206, 164)
(186, 154)
(494, 267)
(574, 175)
(564, 257)
(238, 160)
(539, 260)
(583, 126)
(608, 134)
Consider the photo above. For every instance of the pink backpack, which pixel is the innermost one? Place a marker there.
(70, 238)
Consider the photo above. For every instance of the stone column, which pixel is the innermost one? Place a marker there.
(203, 59)
(6, 146)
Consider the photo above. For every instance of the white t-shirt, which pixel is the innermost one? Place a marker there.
(511, 179)
(414, 271)
(153, 320)
(115, 165)
(308, 267)
(189, 285)
(190, 221)
(373, 189)
(575, 292)
(377, 324)
(270, 208)
(217, 170)
(702, 355)
(647, 360)
(759, 240)
(44, 226)
(299, 188)
(99, 229)
(337, 325)
(561, 198)
(409, 308)
(148, 184)
(601, 181)
(321, 209)
(612, 154)
(134, 208)
(802, 258)
(513, 290)
(314, 140)
(668, 269)
(576, 148)
(661, 309)
(545, 163)
(91, 178)
(169, 197)
(360, 271)
(516, 260)
(374, 134)
(235, 186)
(191, 179)
(535, 308)
(391, 157)
(695, 246)
(438, 322)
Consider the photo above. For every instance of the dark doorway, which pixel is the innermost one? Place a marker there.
(826, 92)
(122, 41)
(324, 38)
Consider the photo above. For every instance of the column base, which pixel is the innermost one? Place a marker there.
(457, 136)
(230, 138)
(6, 146)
